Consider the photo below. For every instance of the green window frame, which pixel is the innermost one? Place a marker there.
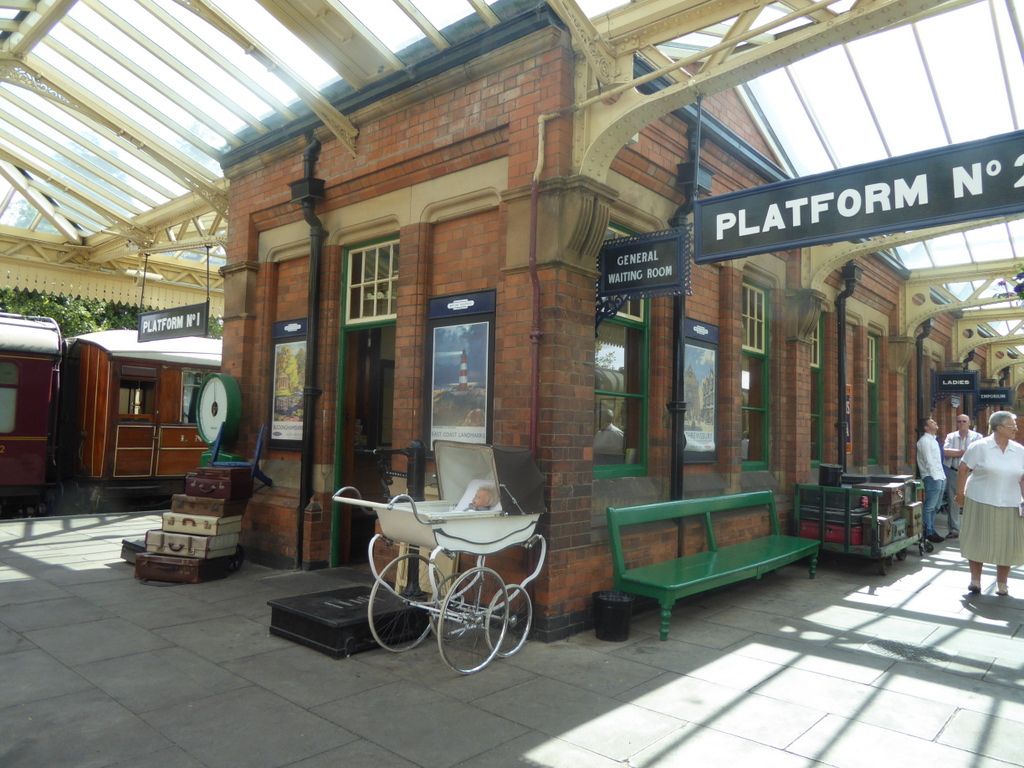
(754, 379)
(817, 425)
(372, 282)
(872, 412)
(621, 380)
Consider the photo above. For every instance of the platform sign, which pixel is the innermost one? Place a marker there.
(175, 323)
(963, 182)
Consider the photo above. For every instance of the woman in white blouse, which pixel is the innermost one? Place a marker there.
(990, 488)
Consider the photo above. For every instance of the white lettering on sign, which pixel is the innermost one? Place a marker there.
(957, 382)
(874, 198)
(642, 257)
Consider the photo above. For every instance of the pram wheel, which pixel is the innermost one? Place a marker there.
(520, 619)
(473, 620)
(397, 620)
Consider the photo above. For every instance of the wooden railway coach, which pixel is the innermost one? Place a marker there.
(120, 435)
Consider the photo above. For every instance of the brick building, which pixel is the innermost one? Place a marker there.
(439, 205)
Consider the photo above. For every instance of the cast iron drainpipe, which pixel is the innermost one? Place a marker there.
(309, 190)
(850, 278)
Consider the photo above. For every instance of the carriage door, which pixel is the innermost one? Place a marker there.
(135, 434)
(367, 386)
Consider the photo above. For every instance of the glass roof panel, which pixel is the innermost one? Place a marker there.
(903, 106)
(989, 243)
(272, 87)
(914, 256)
(388, 22)
(949, 250)
(275, 37)
(839, 107)
(777, 99)
(442, 13)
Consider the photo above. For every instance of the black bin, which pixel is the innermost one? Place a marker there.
(612, 610)
(830, 475)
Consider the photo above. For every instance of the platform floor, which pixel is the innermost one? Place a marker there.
(852, 670)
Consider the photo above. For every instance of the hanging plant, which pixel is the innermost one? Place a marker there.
(1014, 288)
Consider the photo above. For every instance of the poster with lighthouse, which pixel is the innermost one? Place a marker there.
(459, 383)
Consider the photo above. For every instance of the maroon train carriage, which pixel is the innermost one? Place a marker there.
(30, 355)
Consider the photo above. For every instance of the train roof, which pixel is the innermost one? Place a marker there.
(190, 350)
(38, 335)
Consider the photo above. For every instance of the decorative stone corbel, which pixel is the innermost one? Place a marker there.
(572, 220)
(803, 310)
(901, 350)
(240, 289)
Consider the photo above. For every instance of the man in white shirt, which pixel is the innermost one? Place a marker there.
(933, 475)
(952, 449)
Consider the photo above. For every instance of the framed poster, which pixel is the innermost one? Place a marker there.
(288, 381)
(460, 355)
(700, 391)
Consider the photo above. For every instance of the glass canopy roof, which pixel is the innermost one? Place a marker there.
(115, 114)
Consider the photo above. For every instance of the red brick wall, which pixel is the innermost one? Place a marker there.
(493, 119)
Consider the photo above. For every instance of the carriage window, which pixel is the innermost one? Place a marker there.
(191, 381)
(8, 396)
(137, 399)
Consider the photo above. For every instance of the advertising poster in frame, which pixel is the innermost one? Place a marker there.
(461, 341)
(288, 381)
(700, 385)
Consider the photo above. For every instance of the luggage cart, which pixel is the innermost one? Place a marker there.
(841, 524)
(491, 498)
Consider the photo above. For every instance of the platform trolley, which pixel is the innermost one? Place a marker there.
(491, 498)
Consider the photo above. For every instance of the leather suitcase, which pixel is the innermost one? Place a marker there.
(811, 529)
(186, 545)
(893, 499)
(915, 519)
(205, 507)
(201, 525)
(219, 483)
(185, 570)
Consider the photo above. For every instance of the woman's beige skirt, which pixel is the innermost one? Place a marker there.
(991, 534)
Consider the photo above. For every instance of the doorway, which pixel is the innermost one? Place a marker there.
(368, 380)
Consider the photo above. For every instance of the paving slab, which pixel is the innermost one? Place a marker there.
(849, 670)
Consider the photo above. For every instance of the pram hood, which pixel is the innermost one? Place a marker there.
(463, 467)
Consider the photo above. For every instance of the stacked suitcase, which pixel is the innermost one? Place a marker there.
(198, 538)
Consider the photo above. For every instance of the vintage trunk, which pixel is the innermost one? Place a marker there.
(220, 483)
(187, 545)
(183, 505)
(187, 570)
(201, 525)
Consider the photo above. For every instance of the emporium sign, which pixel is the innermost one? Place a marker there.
(962, 182)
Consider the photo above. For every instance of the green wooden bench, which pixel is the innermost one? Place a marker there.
(671, 580)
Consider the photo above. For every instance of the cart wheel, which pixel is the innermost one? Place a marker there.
(520, 619)
(884, 563)
(473, 620)
(902, 555)
(928, 546)
(398, 622)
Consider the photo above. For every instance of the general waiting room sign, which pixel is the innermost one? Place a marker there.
(962, 182)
